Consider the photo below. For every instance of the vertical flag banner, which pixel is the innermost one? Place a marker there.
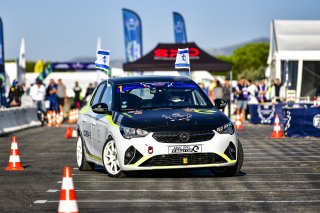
(2, 72)
(132, 35)
(22, 62)
(38, 67)
(102, 61)
(180, 33)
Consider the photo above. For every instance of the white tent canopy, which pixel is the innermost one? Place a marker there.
(294, 51)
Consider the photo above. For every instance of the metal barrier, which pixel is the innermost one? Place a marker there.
(18, 118)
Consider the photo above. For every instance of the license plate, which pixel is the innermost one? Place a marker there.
(185, 149)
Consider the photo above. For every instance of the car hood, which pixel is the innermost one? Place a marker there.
(172, 119)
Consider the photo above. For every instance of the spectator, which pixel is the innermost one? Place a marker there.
(51, 93)
(252, 93)
(61, 94)
(211, 88)
(242, 98)
(3, 100)
(226, 95)
(277, 87)
(38, 93)
(15, 94)
(217, 91)
(89, 92)
(263, 89)
(77, 91)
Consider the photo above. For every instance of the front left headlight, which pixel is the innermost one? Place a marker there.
(128, 132)
(226, 129)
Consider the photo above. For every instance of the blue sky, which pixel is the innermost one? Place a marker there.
(60, 30)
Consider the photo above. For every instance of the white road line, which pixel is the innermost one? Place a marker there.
(290, 156)
(277, 153)
(210, 181)
(186, 190)
(283, 161)
(184, 201)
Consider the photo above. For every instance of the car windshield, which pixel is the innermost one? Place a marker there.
(159, 95)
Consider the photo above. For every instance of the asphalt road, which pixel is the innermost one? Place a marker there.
(278, 175)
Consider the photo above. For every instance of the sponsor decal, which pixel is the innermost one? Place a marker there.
(316, 121)
(185, 149)
(265, 113)
(178, 117)
(136, 112)
(86, 133)
(170, 54)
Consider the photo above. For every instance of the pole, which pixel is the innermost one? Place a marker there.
(229, 107)
(190, 72)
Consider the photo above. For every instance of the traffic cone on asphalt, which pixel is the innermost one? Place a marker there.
(238, 124)
(71, 116)
(71, 133)
(49, 119)
(14, 160)
(277, 132)
(68, 201)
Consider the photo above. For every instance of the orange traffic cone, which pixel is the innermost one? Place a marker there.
(49, 118)
(238, 124)
(277, 133)
(14, 160)
(68, 202)
(71, 133)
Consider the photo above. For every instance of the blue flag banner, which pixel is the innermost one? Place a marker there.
(132, 35)
(180, 33)
(102, 61)
(2, 73)
(182, 59)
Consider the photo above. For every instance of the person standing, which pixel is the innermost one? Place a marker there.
(61, 94)
(38, 93)
(15, 94)
(252, 93)
(226, 95)
(3, 99)
(263, 89)
(277, 87)
(242, 98)
(89, 92)
(77, 91)
(52, 95)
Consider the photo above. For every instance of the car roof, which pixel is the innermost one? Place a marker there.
(151, 78)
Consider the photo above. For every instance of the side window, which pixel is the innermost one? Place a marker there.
(97, 95)
(107, 96)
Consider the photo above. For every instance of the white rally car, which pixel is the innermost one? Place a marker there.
(155, 122)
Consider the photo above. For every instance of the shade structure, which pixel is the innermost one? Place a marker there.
(162, 58)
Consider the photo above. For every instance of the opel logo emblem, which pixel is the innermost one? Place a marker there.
(184, 137)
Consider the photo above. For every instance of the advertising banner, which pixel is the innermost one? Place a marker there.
(180, 34)
(2, 73)
(132, 35)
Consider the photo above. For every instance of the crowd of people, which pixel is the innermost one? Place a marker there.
(55, 93)
(246, 92)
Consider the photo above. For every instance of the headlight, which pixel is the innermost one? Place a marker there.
(226, 129)
(128, 132)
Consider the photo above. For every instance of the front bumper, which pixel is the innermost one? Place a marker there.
(148, 154)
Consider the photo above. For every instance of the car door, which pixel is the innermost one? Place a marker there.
(100, 127)
(89, 120)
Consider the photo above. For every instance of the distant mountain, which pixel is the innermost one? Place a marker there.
(113, 63)
(227, 51)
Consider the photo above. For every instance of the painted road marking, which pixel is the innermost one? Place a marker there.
(186, 190)
(210, 181)
(184, 201)
(290, 156)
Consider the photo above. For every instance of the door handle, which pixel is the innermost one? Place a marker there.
(84, 120)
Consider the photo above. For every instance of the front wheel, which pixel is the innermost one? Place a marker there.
(110, 159)
(82, 162)
(228, 171)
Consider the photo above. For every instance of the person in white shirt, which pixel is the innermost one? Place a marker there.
(38, 93)
(253, 92)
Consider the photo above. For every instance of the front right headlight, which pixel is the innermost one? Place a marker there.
(128, 132)
(226, 129)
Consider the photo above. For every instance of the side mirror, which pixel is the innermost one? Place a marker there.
(100, 108)
(220, 103)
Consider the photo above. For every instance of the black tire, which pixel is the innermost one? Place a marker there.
(110, 174)
(84, 164)
(229, 171)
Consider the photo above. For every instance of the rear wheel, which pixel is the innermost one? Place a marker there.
(82, 162)
(110, 159)
(228, 171)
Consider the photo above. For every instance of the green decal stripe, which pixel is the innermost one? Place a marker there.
(94, 157)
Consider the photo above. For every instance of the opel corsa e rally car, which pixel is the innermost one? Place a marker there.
(156, 122)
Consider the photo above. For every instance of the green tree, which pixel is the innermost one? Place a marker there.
(249, 60)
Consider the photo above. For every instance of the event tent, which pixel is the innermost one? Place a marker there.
(162, 58)
(294, 55)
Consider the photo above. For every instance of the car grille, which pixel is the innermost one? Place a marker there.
(175, 136)
(178, 159)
